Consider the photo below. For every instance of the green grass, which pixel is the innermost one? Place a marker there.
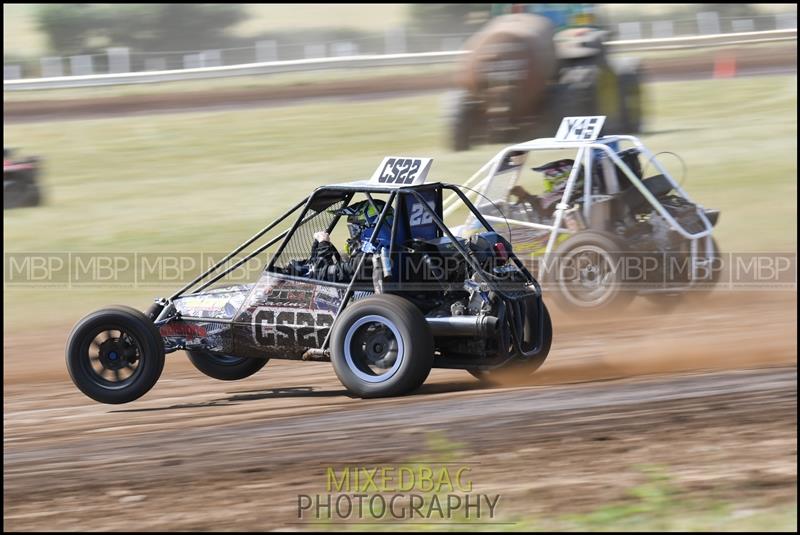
(232, 83)
(206, 181)
(657, 503)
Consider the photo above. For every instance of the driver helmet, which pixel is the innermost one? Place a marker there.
(555, 172)
(361, 219)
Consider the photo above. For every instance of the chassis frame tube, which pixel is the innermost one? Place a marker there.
(237, 250)
(507, 302)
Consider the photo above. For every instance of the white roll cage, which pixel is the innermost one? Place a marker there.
(482, 179)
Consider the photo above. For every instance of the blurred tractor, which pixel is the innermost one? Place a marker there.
(533, 64)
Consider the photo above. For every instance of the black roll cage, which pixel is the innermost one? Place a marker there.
(394, 201)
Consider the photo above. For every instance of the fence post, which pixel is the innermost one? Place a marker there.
(395, 40)
(52, 67)
(785, 21)
(211, 58)
(345, 48)
(708, 22)
(12, 72)
(81, 65)
(742, 25)
(266, 51)
(630, 30)
(192, 61)
(314, 51)
(662, 29)
(118, 59)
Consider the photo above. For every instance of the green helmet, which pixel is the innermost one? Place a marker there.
(555, 172)
(361, 218)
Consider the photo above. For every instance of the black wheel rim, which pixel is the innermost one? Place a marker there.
(111, 357)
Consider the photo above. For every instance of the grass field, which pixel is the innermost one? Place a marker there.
(237, 83)
(206, 181)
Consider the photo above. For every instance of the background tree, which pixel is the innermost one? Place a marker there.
(69, 27)
(74, 28)
(448, 18)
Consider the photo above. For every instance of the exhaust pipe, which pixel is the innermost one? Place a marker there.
(472, 326)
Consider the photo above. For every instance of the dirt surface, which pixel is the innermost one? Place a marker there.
(717, 410)
(748, 61)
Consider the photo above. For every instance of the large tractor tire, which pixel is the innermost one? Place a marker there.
(465, 122)
(629, 90)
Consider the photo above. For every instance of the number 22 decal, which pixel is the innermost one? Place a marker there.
(419, 216)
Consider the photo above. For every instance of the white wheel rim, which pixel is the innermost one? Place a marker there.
(348, 354)
(603, 287)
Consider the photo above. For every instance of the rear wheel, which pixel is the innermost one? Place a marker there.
(519, 370)
(225, 367)
(115, 355)
(710, 273)
(382, 346)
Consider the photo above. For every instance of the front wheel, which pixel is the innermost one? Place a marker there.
(588, 274)
(382, 346)
(225, 367)
(115, 355)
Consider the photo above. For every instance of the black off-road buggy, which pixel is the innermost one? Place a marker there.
(404, 296)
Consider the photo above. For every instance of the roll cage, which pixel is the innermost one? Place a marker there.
(324, 197)
(586, 152)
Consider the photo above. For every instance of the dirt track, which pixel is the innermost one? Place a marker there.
(199, 454)
(748, 60)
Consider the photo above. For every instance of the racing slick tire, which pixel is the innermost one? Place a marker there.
(518, 370)
(667, 302)
(382, 346)
(115, 355)
(586, 274)
(225, 367)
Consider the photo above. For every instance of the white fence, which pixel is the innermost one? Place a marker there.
(366, 61)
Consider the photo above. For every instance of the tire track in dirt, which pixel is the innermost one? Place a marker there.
(201, 454)
(574, 445)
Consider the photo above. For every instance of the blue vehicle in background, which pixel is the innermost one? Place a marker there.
(533, 64)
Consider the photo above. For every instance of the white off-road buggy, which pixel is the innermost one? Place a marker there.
(602, 231)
